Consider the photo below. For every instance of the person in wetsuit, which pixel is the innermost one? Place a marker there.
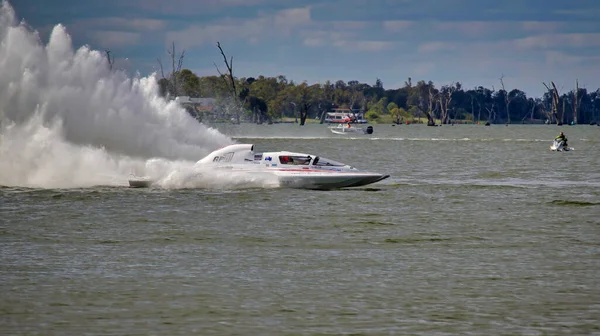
(561, 137)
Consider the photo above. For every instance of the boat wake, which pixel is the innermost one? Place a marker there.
(68, 121)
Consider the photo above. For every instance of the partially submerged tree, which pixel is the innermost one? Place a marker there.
(306, 97)
(555, 102)
(507, 100)
(576, 102)
(491, 109)
(423, 97)
(445, 98)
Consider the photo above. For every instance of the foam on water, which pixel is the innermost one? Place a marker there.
(67, 120)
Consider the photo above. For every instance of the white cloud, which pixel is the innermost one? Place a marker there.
(282, 23)
(435, 46)
(196, 35)
(423, 68)
(279, 24)
(187, 7)
(348, 25)
(143, 24)
(557, 58)
(580, 13)
(119, 24)
(550, 41)
(313, 42)
(111, 39)
(396, 26)
(344, 35)
(290, 18)
(542, 26)
(315, 38)
(373, 46)
(473, 28)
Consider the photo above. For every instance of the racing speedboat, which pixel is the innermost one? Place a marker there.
(559, 146)
(293, 170)
(346, 129)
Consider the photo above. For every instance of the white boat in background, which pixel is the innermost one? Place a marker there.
(293, 170)
(345, 115)
(349, 129)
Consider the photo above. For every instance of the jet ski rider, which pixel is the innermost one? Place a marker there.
(561, 137)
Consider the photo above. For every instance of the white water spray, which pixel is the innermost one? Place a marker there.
(67, 120)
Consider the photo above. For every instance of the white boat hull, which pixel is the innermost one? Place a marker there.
(302, 171)
(288, 169)
(326, 181)
(344, 129)
(140, 182)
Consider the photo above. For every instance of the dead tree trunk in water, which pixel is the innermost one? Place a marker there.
(555, 101)
(445, 100)
(430, 110)
(231, 82)
(305, 107)
(507, 100)
(533, 106)
(576, 102)
(491, 110)
(472, 108)
(563, 112)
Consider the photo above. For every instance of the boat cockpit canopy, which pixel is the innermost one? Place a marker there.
(321, 161)
(306, 160)
(295, 159)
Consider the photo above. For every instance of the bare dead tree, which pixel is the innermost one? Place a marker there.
(431, 104)
(534, 104)
(110, 59)
(431, 108)
(445, 97)
(162, 72)
(472, 106)
(563, 111)
(176, 65)
(547, 112)
(594, 111)
(176, 70)
(576, 102)
(507, 99)
(555, 102)
(229, 65)
(231, 83)
(491, 110)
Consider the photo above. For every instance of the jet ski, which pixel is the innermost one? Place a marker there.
(560, 146)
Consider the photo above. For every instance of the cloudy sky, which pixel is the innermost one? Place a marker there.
(474, 42)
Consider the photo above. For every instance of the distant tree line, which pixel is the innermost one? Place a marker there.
(264, 99)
